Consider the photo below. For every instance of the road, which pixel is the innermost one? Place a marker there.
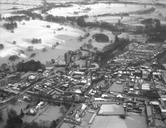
(54, 100)
(4, 105)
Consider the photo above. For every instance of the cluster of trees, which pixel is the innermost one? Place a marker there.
(109, 51)
(10, 25)
(87, 46)
(151, 24)
(4, 67)
(16, 18)
(29, 66)
(157, 35)
(64, 108)
(1, 46)
(55, 45)
(161, 58)
(59, 19)
(154, 30)
(36, 41)
(32, 55)
(32, 125)
(54, 123)
(67, 19)
(44, 49)
(14, 42)
(80, 38)
(104, 25)
(1, 118)
(122, 116)
(13, 58)
(31, 14)
(15, 121)
(30, 48)
(80, 20)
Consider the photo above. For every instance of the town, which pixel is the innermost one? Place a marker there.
(111, 80)
(87, 94)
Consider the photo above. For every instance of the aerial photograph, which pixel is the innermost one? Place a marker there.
(82, 63)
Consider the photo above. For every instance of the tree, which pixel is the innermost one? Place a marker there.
(95, 48)
(53, 61)
(36, 41)
(13, 58)
(44, 49)
(12, 113)
(1, 46)
(122, 116)
(21, 52)
(63, 109)
(1, 115)
(54, 123)
(29, 66)
(14, 42)
(10, 26)
(89, 46)
(30, 48)
(21, 113)
(13, 121)
(81, 22)
(32, 125)
(4, 67)
(32, 55)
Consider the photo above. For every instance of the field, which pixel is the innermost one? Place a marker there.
(111, 109)
(45, 115)
(68, 35)
(133, 121)
(96, 9)
(9, 8)
(27, 30)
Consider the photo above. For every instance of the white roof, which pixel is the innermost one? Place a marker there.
(146, 86)
(78, 91)
(32, 77)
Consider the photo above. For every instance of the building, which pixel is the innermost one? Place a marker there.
(146, 86)
(163, 105)
(3, 82)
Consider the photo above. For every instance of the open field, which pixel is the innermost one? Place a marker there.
(111, 109)
(67, 35)
(8, 8)
(96, 9)
(44, 115)
(134, 17)
(27, 30)
(133, 121)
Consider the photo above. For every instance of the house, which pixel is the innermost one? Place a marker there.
(146, 86)
(163, 105)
